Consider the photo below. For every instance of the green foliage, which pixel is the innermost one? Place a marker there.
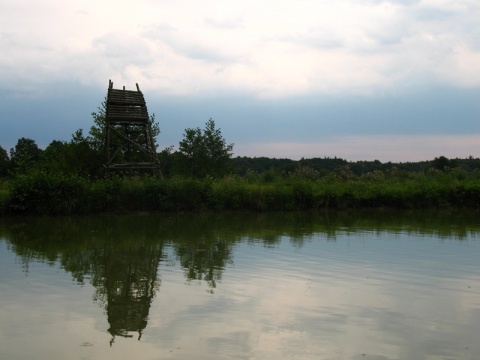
(270, 176)
(204, 153)
(44, 194)
(25, 155)
(4, 162)
(443, 164)
(4, 196)
(41, 193)
(244, 165)
(84, 159)
(104, 196)
(66, 178)
(167, 159)
(97, 130)
(75, 157)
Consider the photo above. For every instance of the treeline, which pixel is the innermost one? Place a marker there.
(242, 165)
(82, 157)
(201, 153)
(68, 177)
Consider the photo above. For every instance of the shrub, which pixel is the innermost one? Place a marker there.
(44, 194)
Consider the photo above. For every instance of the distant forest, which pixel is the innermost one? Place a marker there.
(79, 157)
(201, 153)
(242, 165)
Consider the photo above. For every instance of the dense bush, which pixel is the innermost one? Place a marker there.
(45, 194)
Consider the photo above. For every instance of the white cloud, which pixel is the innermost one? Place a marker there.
(272, 48)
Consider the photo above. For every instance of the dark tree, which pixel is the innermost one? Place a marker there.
(53, 158)
(4, 162)
(25, 155)
(443, 164)
(82, 157)
(204, 153)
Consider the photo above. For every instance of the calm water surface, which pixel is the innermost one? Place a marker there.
(377, 285)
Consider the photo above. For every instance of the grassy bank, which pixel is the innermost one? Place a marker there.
(43, 194)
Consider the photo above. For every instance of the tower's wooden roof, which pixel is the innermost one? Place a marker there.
(126, 106)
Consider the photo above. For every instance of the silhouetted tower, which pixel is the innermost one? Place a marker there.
(129, 143)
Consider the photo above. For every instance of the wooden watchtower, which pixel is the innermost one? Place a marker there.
(129, 143)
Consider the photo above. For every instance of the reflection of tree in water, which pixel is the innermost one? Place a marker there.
(121, 261)
(121, 255)
(204, 260)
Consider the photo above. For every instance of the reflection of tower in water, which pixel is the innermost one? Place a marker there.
(130, 283)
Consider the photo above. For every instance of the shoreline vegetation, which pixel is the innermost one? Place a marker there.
(305, 189)
(68, 178)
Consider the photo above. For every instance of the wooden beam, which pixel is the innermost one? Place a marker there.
(126, 108)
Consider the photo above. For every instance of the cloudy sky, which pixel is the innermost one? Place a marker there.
(361, 80)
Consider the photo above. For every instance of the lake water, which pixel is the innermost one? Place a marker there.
(353, 285)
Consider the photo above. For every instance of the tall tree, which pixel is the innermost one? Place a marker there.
(25, 155)
(75, 157)
(53, 158)
(204, 153)
(443, 164)
(4, 162)
(82, 157)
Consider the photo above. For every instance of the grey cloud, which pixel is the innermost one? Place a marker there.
(7, 39)
(158, 30)
(206, 54)
(373, 38)
(124, 48)
(431, 14)
(458, 22)
(179, 42)
(10, 41)
(391, 31)
(455, 23)
(316, 38)
(461, 22)
(448, 18)
(225, 23)
(398, 2)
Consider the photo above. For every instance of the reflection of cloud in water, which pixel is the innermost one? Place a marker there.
(336, 307)
(386, 294)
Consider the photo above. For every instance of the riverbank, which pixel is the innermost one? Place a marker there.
(43, 194)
